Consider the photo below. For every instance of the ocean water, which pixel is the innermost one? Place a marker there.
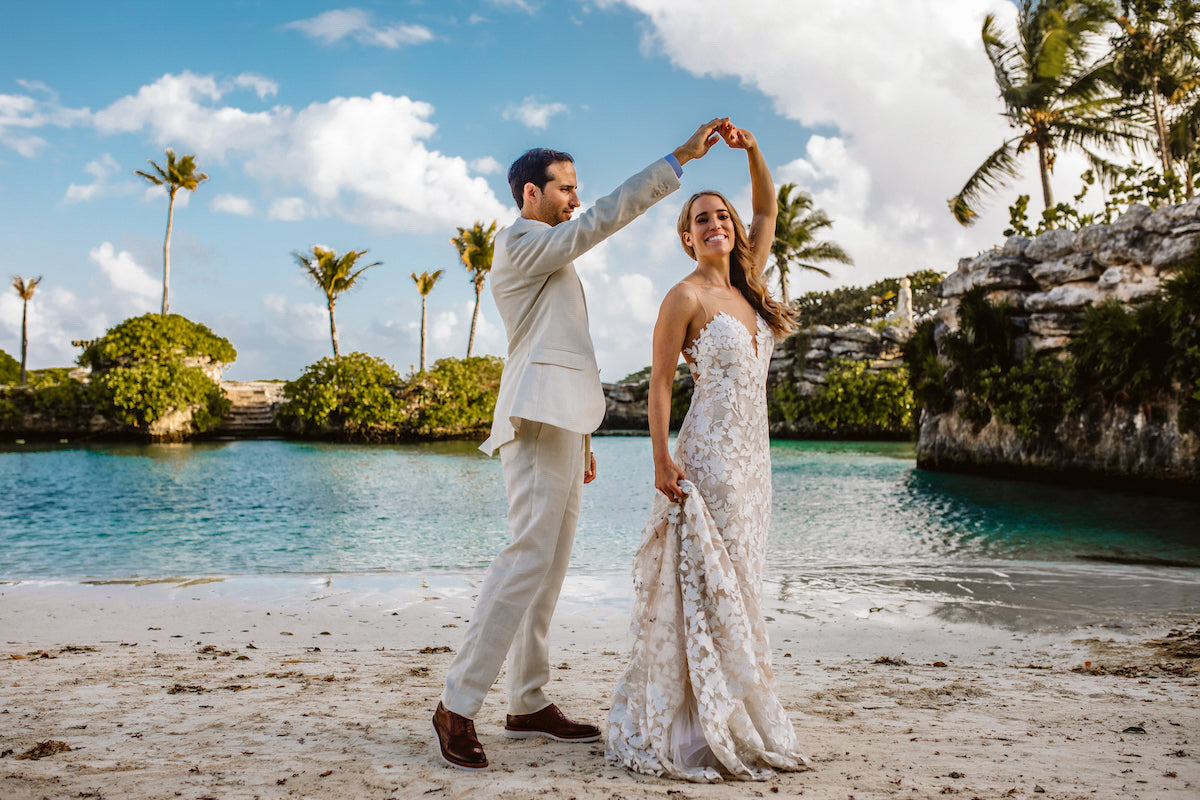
(849, 519)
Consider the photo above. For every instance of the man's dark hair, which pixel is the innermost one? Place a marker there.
(533, 167)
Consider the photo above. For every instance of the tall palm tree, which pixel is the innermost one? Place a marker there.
(25, 289)
(795, 243)
(1052, 94)
(1154, 57)
(333, 275)
(178, 175)
(476, 246)
(425, 283)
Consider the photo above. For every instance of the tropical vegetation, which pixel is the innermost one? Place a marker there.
(866, 305)
(425, 283)
(362, 398)
(152, 365)
(476, 247)
(334, 275)
(25, 289)
(1062, 91)
(178, 174)
(797, 226)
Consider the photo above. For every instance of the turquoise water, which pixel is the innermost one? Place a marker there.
(273, 507)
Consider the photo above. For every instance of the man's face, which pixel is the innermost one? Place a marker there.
(558, 200)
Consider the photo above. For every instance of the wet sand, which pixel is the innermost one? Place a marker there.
(323, 688)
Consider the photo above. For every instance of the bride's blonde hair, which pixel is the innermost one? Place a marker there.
(779, 318)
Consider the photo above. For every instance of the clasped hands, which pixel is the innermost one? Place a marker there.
(708, 134)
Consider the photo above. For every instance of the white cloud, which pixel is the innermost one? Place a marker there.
(178, 111)
(360, 158)
(533, 113)
(903, 91)
(101, 170)
(21, 114)
(486, 166)
(124, 273)
(263, 87)
(288, 209)
(335, 25)
(232, 204)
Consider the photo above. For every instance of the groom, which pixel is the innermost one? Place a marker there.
(550, 401)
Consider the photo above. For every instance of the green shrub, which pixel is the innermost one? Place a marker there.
(154, 337)
(457, 397)
(926, 372)
(10, 369)
(138, 374)
(1032, 396)
(852, 401)
(362, 398)
(63, 398)
(10, 414)
(984, 339)
(354, 395)
(143, 393)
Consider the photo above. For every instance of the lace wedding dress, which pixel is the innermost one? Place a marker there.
(698, 700)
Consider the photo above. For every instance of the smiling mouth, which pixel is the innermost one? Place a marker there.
(716, 237)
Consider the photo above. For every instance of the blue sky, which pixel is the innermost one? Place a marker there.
(384, 125)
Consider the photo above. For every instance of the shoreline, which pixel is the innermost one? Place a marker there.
(321, 686)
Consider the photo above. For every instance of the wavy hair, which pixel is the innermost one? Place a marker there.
(779, 318)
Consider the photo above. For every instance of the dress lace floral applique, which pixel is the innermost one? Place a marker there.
(698, 700)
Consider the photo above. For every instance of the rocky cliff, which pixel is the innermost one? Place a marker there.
(1048, 282)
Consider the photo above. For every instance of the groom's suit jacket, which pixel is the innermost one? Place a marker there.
(550, 374)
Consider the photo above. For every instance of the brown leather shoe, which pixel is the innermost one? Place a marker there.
(549, 722)
(457, 742)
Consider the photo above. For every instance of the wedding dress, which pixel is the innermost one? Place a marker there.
(698, 699)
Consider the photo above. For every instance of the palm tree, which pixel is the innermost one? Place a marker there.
(425, 283)
(476, 246)
(333, 275)
(178, 175)
(25, 289)
(795, 244)
(1155, 57)
(1051, 95)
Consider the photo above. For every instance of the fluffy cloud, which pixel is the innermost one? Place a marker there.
(902, 91)
(180, 112)
(333, 26)
(232, 204)
(124, 273)
(288, 209)
(21, 114)
(361, 158)
(101, 170)
(533, 113)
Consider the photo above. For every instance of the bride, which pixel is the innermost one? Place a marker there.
(698, 699)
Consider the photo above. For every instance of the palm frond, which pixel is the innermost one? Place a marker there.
(995, 171)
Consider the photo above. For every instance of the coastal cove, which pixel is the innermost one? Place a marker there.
(270, 618)
(849, 515)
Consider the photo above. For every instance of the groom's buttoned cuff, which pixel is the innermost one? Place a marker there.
(675, 165)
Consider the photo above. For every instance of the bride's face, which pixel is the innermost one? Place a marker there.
(710, 230)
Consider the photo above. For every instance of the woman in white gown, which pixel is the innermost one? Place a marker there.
(698, 699)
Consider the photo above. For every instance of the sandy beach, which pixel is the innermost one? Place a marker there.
(323, 688)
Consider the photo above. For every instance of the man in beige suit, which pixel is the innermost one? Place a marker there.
(549, 403)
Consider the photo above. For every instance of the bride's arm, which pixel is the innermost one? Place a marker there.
(670, 334)
(762, 193)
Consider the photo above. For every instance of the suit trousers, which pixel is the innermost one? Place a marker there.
(543, 477)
